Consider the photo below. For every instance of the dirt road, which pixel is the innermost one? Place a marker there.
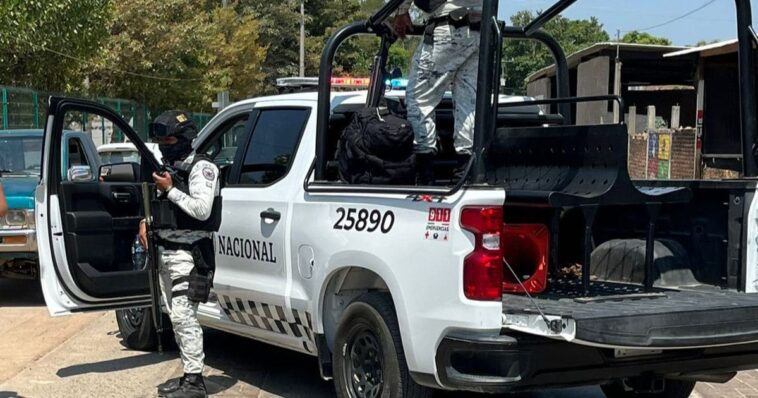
(81, 356)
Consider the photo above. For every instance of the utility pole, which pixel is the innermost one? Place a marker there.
(222, 98)
(302, 38)
(617, 79)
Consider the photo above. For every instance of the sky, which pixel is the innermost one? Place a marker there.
(715, 22)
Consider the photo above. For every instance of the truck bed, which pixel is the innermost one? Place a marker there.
(624, 315)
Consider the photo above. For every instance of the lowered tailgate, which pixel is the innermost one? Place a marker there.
(617, 315)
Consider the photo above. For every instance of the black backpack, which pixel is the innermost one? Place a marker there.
(428, 5)
(376, 148)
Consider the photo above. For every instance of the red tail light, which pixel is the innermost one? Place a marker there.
(483, 269)
(525, 248)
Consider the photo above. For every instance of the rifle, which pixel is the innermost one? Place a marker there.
(152, 265)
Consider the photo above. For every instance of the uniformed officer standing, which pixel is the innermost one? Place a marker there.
(197, 216)
(449, 54)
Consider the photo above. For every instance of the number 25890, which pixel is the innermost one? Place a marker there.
(364, 220)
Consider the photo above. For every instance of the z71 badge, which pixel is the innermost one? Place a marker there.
(426, 198)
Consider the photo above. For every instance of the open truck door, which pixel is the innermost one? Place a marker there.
(86, 228)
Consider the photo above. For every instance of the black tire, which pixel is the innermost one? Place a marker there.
(368, 330)
(138, 331)
(673, 389)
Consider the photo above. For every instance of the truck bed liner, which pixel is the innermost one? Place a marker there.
(623, 315)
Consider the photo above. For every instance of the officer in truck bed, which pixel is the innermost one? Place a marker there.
(187, 215)
(448, 54)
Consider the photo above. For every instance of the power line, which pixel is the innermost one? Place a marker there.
(84, 61)
(685, 15)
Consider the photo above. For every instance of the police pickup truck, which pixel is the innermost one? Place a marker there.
(543, 266)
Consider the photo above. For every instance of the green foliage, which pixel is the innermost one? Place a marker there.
(521, 58)
(239, 55)
(279, 29)
(645, 38)
(179, 54)
(30, 30)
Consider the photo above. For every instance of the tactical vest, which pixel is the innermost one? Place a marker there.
(167, 215)
(428, 5)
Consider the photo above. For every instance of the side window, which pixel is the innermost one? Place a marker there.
(226, 138)
(272, 147)
(79, 161)
(76, 154)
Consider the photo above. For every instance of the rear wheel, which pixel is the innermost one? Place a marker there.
(369, 361)
(137, 328)
(672, 389)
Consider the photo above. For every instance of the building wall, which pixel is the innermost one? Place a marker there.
(593, 79)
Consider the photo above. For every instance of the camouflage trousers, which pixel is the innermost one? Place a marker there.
(453, 58)
(174, 265)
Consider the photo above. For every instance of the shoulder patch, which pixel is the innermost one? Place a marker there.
(209, 173)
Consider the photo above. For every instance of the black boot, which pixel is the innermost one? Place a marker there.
(424, 168)
(169, 386)
(192, 387)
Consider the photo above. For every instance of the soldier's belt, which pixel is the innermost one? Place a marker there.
(457, 19)
(169, 245)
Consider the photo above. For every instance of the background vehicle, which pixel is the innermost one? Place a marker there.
(125, 152)
(399, 288)
(20, 156)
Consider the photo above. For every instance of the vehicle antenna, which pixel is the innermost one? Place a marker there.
(556, 326)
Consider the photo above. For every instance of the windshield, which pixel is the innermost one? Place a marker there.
(113, 157)
(20, 155)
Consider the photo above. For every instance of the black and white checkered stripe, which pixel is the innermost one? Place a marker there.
(269, 317)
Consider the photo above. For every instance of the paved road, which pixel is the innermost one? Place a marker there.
(81, 356)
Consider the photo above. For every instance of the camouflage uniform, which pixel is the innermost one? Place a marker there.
(174, 264)
(452, 58)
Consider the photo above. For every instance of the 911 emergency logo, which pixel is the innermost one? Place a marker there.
(438, 224)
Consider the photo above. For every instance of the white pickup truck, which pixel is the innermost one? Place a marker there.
(392, 291)
(544, 265)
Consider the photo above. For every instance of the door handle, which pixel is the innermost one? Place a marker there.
(271, 214)
(122, 197)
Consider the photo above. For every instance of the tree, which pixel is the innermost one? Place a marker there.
(523, 57)
(644, 38)
(179, 54)
(279, 29)
(43, 43)
(239, 55)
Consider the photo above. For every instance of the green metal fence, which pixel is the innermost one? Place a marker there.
(24, 108)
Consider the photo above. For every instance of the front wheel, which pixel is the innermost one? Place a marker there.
(672, 389)
(137, 328)
(369, 361)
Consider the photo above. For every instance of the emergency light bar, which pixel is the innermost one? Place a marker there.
(343, 82)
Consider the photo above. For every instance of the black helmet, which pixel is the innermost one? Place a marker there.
(173, 123)
(177, 124)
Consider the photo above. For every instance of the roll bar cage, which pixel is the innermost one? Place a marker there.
(492, 34)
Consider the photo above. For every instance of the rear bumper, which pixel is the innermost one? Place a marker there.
(10, 250)
(517, 362)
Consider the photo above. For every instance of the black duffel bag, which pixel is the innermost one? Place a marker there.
(377, 148)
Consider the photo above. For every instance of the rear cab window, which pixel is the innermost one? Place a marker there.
(271, 148)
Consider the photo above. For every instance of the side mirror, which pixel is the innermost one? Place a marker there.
(119, 172)
(79, 173)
